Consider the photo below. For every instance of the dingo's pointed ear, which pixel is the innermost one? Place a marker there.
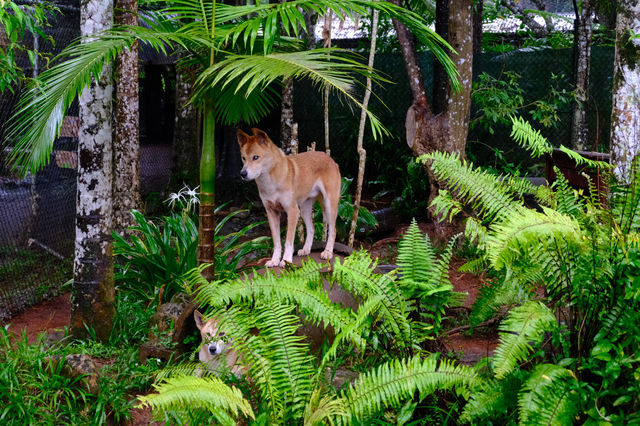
(243, 138)
(261, 135)
(197, 316)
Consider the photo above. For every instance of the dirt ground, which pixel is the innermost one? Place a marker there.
(55, 314)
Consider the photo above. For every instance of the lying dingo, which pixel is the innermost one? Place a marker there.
(291, 184)
(216, 351)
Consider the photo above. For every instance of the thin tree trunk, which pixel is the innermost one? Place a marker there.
(126, 143)
(477, 26)
(363, 119)
(286, 115)
(625, 114)
(326, 37)
(582, 62)
(92, 304)
(186, 146)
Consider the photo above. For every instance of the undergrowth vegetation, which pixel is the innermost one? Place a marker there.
(562, 282)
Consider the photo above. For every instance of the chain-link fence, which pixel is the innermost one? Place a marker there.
(37, 213)
(535, 67)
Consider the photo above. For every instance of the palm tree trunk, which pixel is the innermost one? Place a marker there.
(207, 225)
(92, 304)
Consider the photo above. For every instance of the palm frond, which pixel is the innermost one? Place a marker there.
(525, 324)
(209, 393)
(324, 67)
(393, 383)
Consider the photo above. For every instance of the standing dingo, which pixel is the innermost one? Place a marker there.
(291, 184)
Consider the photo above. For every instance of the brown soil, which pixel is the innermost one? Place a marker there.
(50, 315)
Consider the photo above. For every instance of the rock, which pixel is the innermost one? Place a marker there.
(78, 365)
(166, 316)
(182, 299)
(56, 338)
(342, 378)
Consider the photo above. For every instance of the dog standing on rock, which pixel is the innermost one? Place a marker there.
(291, 184)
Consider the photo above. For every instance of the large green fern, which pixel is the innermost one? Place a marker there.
(208, 393)
(395, 382)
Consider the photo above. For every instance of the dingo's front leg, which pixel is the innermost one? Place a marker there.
(292, 221)
(274, 225)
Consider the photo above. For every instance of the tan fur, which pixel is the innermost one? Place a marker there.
(216, 351)
(291, 184)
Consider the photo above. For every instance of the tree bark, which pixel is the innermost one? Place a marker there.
(126, 143)
(625, 114)
(447, 131)
(582, 63)
(92, 304)
(186, 141)
(286, 115)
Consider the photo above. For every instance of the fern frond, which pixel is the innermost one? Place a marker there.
(301, 287)
(356, 274)
(393, 383)
(528, 138)
(183, 369)
(522, 233)
(526, 323)
(369, 308)
(322, 409)
(582, 161)
(292, 367)
(208, 393)
(493, 296)
(548, 397)
(567, 200)
(481, 190)
(445, 206)
(493, 400)
(476, 232)
(474, 266)
(416, 256)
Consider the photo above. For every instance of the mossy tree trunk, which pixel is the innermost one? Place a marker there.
(625, 114)
(93, 287)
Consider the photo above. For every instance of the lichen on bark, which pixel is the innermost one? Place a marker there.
(92, 304)
(625, 114)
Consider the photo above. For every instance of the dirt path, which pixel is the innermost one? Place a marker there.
(53, 314)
